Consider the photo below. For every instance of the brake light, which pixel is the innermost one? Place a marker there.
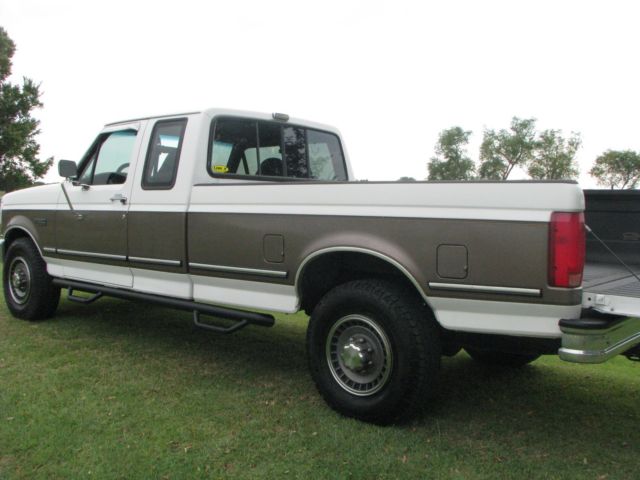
(566, 249)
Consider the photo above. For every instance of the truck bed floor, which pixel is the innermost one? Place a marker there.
(611, 279)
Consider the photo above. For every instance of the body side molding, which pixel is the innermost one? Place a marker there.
(248, 271)
(465, 287)
(156, 261)
(78, 253)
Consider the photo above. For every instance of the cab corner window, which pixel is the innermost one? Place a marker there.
(108, 164)
(326, 161)
(259, 148)
(163, 154)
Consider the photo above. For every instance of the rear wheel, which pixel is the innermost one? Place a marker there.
(501, 358)
(28, 289)
(374, 351)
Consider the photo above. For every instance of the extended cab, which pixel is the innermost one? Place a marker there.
(222, 213)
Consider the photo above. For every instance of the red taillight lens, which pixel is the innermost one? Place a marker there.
(566, 249)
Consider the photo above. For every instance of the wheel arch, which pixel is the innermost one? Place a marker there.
(367, 261)
(13, 232)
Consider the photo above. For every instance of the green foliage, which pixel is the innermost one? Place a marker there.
(19, 163)
(617, 169)
(554, 156)
(451, 161)
(502, 151)
(406, 179)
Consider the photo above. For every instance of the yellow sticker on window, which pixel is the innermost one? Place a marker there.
(220, 169)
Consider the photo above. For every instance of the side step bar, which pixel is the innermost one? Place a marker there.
(241, 317)
(597, 339)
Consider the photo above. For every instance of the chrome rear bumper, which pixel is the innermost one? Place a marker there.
(596, 340)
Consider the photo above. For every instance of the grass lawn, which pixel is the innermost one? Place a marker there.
(125, 390)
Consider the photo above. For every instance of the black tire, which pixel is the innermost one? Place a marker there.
(387, 329)
(502, 359)
(28, 289)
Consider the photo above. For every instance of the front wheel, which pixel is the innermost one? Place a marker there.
(28, 289)
(373, 351)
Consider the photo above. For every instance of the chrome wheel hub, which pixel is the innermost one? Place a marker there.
(19, 280)
(359, 355)
(356, 355)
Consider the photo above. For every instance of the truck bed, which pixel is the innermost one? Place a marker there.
(614, 216)
(611, 279)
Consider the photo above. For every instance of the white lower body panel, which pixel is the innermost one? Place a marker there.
(503, 318)
(244, 294)
(90, 272)
(213, 290)
(162, 283)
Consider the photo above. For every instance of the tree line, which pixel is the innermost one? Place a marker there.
(544, 155)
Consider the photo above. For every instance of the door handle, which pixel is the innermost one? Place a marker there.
(78, 216)
(118, 197)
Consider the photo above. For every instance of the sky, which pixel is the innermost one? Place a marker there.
(389, 74)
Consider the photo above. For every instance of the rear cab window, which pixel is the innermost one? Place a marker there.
(266, 150)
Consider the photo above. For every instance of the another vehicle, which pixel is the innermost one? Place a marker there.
(222, 212)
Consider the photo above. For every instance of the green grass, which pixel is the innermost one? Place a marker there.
(125, 390)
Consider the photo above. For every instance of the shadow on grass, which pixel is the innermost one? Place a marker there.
(149, 327)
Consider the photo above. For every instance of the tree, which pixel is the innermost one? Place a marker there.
(451, 161)
(617, 169)
(502, 151)
(19, 163)
(554, 156)
(406, 179)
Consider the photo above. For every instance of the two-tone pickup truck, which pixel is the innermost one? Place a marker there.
(222, 213)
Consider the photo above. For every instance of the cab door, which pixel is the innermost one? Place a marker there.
(91, 233)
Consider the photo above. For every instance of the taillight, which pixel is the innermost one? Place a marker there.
(566, 249)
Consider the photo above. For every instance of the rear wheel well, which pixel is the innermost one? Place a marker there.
(330, 269)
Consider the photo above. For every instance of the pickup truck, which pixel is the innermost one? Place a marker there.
(231, 214)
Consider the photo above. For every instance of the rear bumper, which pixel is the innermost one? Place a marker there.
(596, 340)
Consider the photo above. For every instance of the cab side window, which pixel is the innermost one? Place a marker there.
(163, 155)
(246, 147)
(234, 148)
(109, 162)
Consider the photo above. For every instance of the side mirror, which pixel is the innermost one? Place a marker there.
(67, 169)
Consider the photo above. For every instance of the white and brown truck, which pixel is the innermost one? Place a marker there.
(223, 213)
